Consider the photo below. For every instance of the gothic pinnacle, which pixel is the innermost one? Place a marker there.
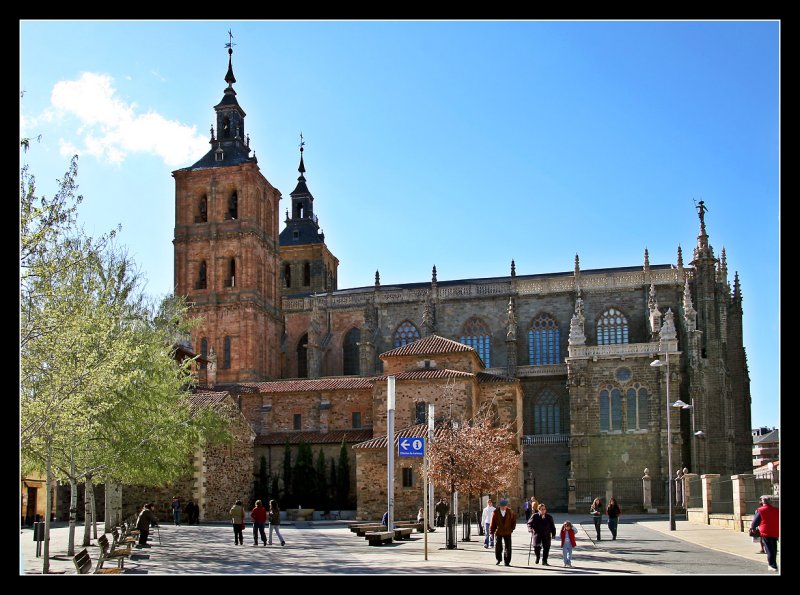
(646, 260)
(513, 268)
(577, 265)
(433, 275)
(680, 257)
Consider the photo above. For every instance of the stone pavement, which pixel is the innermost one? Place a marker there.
(328, 547)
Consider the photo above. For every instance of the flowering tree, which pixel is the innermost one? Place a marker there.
(456, 446)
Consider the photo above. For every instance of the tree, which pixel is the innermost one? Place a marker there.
(452, 454)
(323, 502)
(287, 474)
(303, 484)
(262, 487)
(343, 479)
(332, 485)
(101, 392)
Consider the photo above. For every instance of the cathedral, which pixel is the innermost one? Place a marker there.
(563, 356)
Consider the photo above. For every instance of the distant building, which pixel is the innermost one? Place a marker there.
(766, 446)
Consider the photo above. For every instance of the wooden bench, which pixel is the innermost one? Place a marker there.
(361, 531)
(379, 537)
(354, 526)
(403, 533)
(121, 540)
(109, 553)
(330, 515)
(83, 564)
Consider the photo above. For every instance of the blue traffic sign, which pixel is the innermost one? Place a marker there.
(411, 447)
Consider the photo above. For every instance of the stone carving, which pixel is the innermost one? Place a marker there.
(511, 321)
(689, 313)
(668, 328)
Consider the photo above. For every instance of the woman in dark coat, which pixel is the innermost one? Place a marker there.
(613, 513)
(543, 528)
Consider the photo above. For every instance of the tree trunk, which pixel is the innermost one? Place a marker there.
(73, 508)
(87, 511)
(49, 505)
(107, 505)
(94, 513)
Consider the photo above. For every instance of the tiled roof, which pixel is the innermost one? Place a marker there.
(433, 344)
(207, 398)
(485, 377)
(302, 385)
(773, 436)
(314, 437)
(415, 431)
(429, 374)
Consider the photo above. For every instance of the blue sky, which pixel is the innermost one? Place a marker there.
(459, 144)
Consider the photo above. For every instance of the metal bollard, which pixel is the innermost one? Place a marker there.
(466, 526)
(38, 536)
(450, 529)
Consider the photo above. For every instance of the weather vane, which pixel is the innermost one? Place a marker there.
(302, 142)
(230, 43)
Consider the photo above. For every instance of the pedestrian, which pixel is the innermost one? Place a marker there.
(259, 516)
(421, 519)
(597, 515)
(197, 513)
(190, 510)
(534, 505)
(767, 521)
(613, 512)
(527, 507)
(441, 511)
(143, 522)
(176, 510)
(275, 521)
(544, 530)
(237, 520)
(503, 523)
(567, 542)
(385, 519)
(486, 520)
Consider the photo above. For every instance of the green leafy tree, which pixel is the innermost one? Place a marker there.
(332, 485)
(303, 473)
(343, 478)
(287, 475)
(262, 484)
(323, 502)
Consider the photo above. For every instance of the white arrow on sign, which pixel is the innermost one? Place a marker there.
(404, 444)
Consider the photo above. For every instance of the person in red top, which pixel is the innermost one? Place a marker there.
(567, 542)
(259, 516)
(503, 523)
(767, 520)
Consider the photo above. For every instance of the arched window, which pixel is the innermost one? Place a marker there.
(201, 276)
(543, 341)
(287, 274)
(546, 413)
(302, 357)
(406, 333)
(638, 404)
(610, 410)
(203, 218)
(226, 354)
(226, 127)
(233, 206)
(306, 274)
(231, 280)
(203, 353)
(477, 335)
(612, 328)
(350, 352)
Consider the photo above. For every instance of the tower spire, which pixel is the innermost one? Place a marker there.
(229, 78)
(302, 168)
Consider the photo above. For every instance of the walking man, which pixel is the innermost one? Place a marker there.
(176, 510)
(766, 520)
(486, 520)
(503, 523)
(143, 522)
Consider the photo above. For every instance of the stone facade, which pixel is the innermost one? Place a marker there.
(564, 335)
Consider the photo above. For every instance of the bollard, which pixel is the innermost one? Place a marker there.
(450, 529)
(466, 526)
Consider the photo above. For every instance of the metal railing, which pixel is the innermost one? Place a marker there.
(722, 497)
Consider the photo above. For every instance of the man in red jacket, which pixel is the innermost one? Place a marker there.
(767, 520)
(504, 521)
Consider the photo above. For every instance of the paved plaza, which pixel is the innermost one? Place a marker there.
(644, 546)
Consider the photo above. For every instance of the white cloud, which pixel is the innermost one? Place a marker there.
(112, 128)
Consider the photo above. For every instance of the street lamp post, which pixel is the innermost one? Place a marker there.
(695, 434)
(657, 364)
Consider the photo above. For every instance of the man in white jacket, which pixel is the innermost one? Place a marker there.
(486, 518)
